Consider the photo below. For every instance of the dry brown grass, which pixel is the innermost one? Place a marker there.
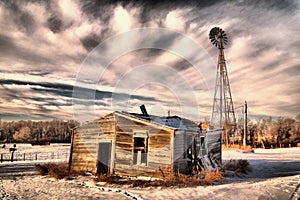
(55, 170)
(169, 180)
(41, 169)
(214, 176)
(237, 166)
(106, 178)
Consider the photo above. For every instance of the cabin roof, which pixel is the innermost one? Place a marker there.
(173, 122)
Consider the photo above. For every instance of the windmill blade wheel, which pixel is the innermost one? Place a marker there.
(218, 37)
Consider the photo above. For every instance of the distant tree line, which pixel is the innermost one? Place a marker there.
(37, 131)
(270, 133)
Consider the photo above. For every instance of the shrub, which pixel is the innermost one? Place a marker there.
(237, 166)
(59, 170)
(106, 178)
(41, 169)
(214, 176)
(55, 170)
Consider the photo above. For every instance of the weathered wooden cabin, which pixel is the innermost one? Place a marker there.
(130, 144)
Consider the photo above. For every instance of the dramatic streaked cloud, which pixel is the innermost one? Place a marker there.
(44, 43)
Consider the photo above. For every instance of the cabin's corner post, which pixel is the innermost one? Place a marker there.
(221, 148)
(71, 149)
(172, 150)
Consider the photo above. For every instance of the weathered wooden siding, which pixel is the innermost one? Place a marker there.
(167, 149)
(86, 140)
(183, 140)
(159, 147)
(179, 151)
(214, 144)
(84, 152)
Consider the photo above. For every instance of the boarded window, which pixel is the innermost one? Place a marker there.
(140, 149)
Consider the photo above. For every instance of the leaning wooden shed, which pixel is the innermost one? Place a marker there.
(130, 144)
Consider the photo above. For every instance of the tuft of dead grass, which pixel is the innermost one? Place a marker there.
(54, 170)
(214, 176)
(41, 169)
(237, 166)
(106, 178)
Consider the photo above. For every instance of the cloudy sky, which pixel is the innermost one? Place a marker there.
(73, 59)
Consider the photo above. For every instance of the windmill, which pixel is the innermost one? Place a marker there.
(223, 112)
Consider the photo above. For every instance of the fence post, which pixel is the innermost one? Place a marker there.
(24, 156)
(1, 158)
(12, 156)
(35, 156)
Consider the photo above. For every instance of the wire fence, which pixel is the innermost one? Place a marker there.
(29, 156)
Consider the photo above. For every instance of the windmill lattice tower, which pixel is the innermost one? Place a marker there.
(223, 111)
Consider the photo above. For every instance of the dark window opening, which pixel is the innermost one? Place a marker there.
(140, 151)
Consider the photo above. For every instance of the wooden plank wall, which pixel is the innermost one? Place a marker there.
(179, 151)
(159, 148)
(167, 151)
(213, 141)
(86, 140)
(182, 141)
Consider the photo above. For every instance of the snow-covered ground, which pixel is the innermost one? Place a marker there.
(269, 163)
(276, 175)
